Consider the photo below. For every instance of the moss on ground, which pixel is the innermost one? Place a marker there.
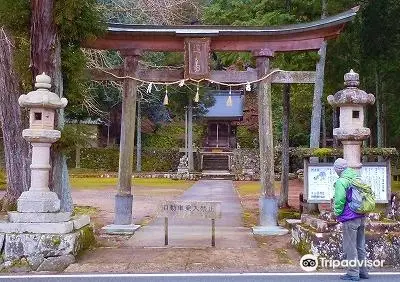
(106, 182)
(250, 217)
(87, 238)
(283, 257)
(3, 180)
(288, 213)
(303, 247)
(87, 210)
(252, 187)
(56, 240)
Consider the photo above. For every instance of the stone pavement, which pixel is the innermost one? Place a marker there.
(189, 247)
(197, 232)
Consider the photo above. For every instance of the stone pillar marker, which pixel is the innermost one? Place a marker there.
(351, 132)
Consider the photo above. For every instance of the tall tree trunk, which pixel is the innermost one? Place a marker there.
(323, 128)
(379, 126)
(284, 193)
(16, 149)
(317, 103)
(323, 125)
(46, 57)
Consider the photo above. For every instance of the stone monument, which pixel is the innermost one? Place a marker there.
(183, 167)
(38, 236)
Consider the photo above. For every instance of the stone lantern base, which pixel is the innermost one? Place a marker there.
(29, 245)
(38, 202)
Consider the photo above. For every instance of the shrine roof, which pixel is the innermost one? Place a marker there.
(215, 30)
(220, 109)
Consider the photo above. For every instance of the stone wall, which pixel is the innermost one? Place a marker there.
(315, 236)
(245, 164)
(24, 252)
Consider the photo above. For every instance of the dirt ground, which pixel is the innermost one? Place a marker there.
(113, 254)
(145, 203)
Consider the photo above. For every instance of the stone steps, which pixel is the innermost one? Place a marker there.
(215, 162)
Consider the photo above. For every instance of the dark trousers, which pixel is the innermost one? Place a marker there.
(354, 244)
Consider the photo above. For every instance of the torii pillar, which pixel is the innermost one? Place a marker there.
(268, 203)
(124, 198)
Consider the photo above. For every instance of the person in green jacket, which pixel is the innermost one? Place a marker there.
(353, 224)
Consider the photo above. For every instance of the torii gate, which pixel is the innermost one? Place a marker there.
(196, 42)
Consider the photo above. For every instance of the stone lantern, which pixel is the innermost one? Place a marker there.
(39, 237)
(351, 132)
(41, 134)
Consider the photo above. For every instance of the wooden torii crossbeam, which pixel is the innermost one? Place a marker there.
(197, 42)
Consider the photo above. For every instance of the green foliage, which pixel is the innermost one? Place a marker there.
(76, 21)
(15, 16)
(246, 138)
(336, 152)
(97, 158)
(3, 180)
(172, 135)
(267, 13)
(160, 159)
(73, 66)
(107, 159)
(74, 135)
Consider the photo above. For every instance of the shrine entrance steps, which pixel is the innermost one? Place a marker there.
(217, 175)
(188, 233)
(215, 162)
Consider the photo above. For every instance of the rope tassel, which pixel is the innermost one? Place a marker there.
(197, 97)
(165, 102)
(248, 87)
(229, 100)
(149, 87)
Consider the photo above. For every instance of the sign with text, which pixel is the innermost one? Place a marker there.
(197, 57)
(190, 209)
(319, 180)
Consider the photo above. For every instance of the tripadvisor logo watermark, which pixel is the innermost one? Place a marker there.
(310, 263)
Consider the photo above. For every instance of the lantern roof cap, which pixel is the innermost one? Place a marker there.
(42, 97)
(351, 95)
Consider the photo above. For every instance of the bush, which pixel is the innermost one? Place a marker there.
(3, 180)
(107, 159)
(172, 135)
(246, 138)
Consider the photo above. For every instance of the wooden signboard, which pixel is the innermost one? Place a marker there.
(319, 180)
(197, 57)
(190, 209)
